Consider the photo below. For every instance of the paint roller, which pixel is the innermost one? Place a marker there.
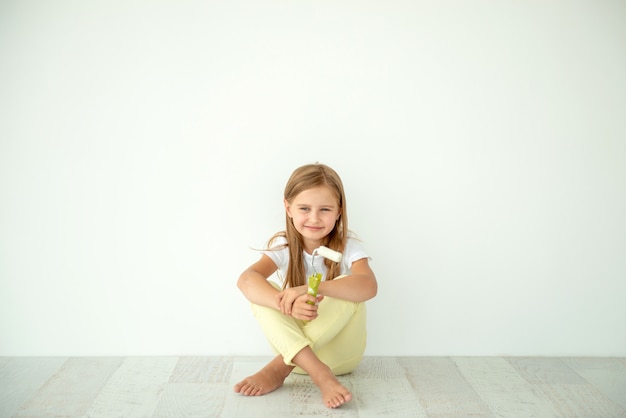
(316, 278)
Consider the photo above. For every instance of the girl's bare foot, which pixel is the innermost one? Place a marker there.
(266, 380)
(334, 393)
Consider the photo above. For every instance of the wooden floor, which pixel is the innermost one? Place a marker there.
(382, 386)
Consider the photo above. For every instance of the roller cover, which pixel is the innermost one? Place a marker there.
(328, 253)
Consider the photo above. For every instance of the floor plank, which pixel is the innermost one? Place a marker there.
(198, 387)
(21, 378)
(442, 389)
(135, 388)
(71, 391)
(569, 393)
(580, 401)
(608, 375)
(192, 400)
(545, 370)
(382, 386)
(202, 370)
(505, 392)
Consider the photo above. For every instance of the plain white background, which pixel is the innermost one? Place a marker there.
(144, 147)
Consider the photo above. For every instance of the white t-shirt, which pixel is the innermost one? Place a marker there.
(354, 251)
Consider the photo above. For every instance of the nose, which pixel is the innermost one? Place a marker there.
(314, 216)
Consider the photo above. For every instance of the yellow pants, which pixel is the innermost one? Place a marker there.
(337, 336)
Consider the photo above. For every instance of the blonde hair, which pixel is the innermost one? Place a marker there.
(304, 178)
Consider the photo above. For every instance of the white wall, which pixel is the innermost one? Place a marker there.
(144, 149)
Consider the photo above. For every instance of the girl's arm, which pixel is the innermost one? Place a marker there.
(254, 285)
(359, 286)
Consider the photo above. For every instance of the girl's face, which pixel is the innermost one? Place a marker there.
(314, 213)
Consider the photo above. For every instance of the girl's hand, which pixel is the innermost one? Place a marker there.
(291, 302)
(303, 310)
(287, 297)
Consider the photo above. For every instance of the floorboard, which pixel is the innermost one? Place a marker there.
(505, 392)
(134, 389)
(441, 387)
(608, 375)
(21, 378)
(72, 390)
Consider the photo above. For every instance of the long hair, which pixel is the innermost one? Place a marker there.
(304, 178)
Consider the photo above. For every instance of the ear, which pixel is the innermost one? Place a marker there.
(287, 208)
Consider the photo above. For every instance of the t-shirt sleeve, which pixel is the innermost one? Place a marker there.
(354, 251)
(280, 257)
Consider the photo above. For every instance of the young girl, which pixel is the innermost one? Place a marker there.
(325, 338)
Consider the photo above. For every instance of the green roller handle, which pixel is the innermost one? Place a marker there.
(314, 283)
